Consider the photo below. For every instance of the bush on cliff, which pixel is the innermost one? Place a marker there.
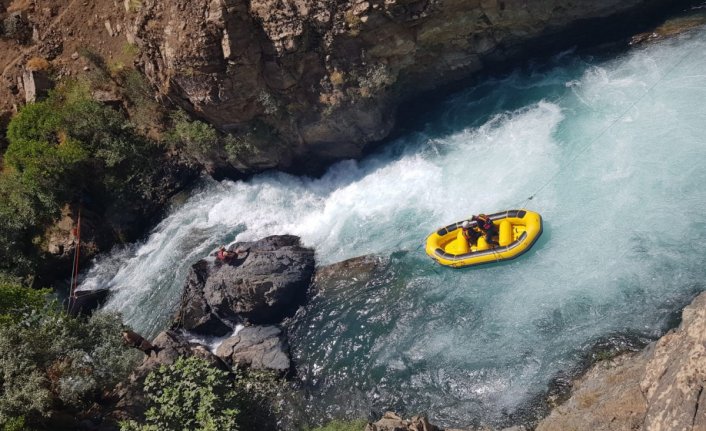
(66, 149)
(191, 394)
(17, 301)
(192, 138)
(50, 361)
(188, 395)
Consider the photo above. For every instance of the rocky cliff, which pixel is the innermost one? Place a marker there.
(316, 81)
(659, 388)
(297, 83)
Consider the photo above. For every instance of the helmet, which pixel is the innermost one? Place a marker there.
(465, 224)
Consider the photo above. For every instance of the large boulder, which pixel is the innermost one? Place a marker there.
(256, 347)
(267, 282)
(659, 388)
(195, 313)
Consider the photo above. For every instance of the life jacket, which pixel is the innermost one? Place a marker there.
(484, 222)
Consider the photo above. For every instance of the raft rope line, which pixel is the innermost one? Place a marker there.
(600, 134)
(75, 266)
(610, 126)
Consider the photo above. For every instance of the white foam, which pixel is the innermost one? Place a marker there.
(615, 168)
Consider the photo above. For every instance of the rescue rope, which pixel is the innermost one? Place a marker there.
(607, 128)
(75, 265)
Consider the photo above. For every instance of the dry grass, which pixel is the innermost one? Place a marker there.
(336, 78)
(134, 5)
(18, 5)
(36, 64)
(586, 400)
(353, 22)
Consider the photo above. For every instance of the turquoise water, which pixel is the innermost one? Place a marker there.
(613, 150)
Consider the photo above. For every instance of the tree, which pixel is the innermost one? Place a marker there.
(188, 395)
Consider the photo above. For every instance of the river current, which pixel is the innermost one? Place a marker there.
(612, 148)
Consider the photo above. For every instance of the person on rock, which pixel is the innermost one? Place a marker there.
(225, 255)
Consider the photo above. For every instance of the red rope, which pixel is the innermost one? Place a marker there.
(74, 270)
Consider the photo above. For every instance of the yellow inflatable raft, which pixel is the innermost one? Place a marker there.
(517, 232)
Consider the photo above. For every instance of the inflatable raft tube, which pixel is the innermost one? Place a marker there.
(518, 230)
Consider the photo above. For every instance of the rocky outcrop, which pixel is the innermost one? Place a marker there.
(269, 280)
(302, 83)
(392, 422)
(350, 272)
(257, 347)
(86, 302)
(659, 388)
(166, 348)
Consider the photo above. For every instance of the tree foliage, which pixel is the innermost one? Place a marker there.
(48, 358)
(61, 150)
(188, 395)
(340, 425)
(193, 138)
(17, 301)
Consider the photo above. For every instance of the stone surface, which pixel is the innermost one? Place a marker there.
(350, 272)
(392, 422)
(266, 283)
(36, 85)
(257, 347)
(306, 82)
(659, 388)
(86, 301)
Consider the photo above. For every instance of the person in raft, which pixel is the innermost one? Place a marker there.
(486, 228)
(469, 233)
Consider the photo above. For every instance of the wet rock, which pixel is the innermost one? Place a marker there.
(271, 281)
(358, 270)
(660, 387)
(670, 28)
(137, 341)
(195, 313)
(168, 346)
(87, 301)
(392, 422)
(257, 347)
(263, 285)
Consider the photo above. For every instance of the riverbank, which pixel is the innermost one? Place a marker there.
(660, 387)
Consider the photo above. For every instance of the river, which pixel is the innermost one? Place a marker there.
(610, 146)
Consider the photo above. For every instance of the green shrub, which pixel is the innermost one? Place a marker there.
(49, 356)
(60, 150)
(195, 139)
(16, 300)
(15, 424)
(188, 395)
(238, 146)
(22, 209)
(337, 425)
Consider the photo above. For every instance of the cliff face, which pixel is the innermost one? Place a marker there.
(660, 388)
(316, 80)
